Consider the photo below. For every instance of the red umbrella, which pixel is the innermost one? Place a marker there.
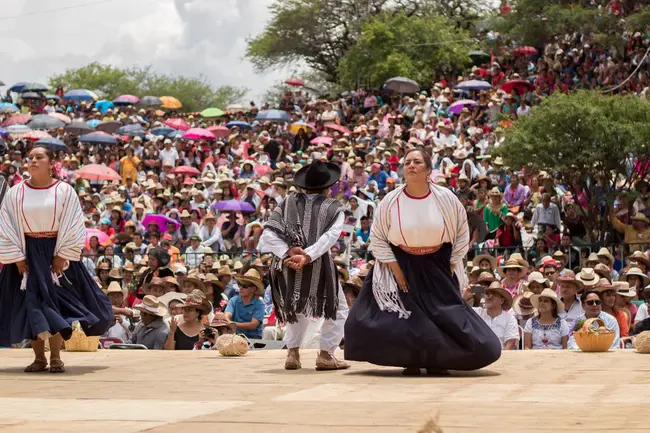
(521, 86)
(294, 82)
(179, 124)
(339, 128)
(36, 135)
(97, 172)
(186, 170)
(526, 51)
(17, 119)
(219, 131)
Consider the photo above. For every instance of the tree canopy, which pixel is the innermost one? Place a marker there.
(320, 32)
(587, 138)
(400, 45)
(195, 93)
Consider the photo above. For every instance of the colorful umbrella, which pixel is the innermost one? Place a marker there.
(78, 127)
(160, 220)
(93, 123)
(294, 82)
(273, 116)
(521, 86)
(126, 100)
(458, 106)
(18, 129)
(236, 108)
(62, 117)
(108, 126)
(198, 134)
(402, 85)
(35, 135)
(339, 128)
(98, 138)
(473, 85)
(186, 170)
(53, 143)
(153, 101)
(262, 170)
(163, 130)
(8, 108)
(17, 119)
(170, 102)
(297, 126)
(104, 105)
(102, 238)
(526, 51)
(178, 124)
(238, 124)
(97, 172)
(45, 121)
(80, 95)
(233, 206)
(212, 112)
(322, 140)
(18, 87)
(219, 131)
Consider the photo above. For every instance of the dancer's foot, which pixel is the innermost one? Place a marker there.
(36, 366)
(411, 371)
(326, 361)
(437, 372)
(56, 365)
(293, 360)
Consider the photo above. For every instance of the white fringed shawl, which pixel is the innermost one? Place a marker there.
(70, 218)
(384, 285)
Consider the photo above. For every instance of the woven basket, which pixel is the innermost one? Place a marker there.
(588, 341)
(642, 342)
(79, 342)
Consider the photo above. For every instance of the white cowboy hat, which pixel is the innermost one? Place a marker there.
(547, 293)
(151, 305)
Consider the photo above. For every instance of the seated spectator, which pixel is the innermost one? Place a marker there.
(546, 213)
(184, 329)
(509, 234)
(502, 322)
(568, 287)
(121, 324)
(607, 292)
(547, 330)
(592, 304)
(246, 310)
(219, 326)
(637, 234)
(152, 330)
(536, 283)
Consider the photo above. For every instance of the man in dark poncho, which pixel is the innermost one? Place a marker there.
(304, 279)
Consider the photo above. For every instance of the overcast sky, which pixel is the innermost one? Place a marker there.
(189, 37)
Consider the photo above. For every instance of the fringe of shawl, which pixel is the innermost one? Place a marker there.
(386, 292)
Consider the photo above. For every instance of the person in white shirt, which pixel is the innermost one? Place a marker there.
(169, 155)
(592, 304)
(503, 323)
(524, 109)
(193, 253)
(568, 289)
(121, 327)
(210, 233)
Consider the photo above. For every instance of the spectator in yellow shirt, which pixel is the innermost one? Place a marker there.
(636, 234)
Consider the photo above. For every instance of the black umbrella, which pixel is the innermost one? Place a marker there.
(98, 138)
(78, 127)
(132, 131)
(53, 143)
(34, 87)
(44, 121)
(151, 100)
(31, 95)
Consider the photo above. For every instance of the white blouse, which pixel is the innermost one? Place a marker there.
(416, 222)
(547, 336)
(39, 206)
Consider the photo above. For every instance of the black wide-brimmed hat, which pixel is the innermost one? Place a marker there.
(317, 175)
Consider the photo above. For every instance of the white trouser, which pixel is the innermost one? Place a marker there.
(331, 332)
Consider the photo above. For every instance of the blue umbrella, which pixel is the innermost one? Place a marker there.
(53, 143)
(163, 130)
(34, 87)
(94, 122)
(79, 95)
(8, 108)
(18, 87)
(239, 124)
(474, 85)
(176, 134)
(132, 131)
(4, 132)
(273, 116)
(104, 105)
(97, 138)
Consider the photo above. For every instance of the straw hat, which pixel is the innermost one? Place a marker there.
(602, 270)
(604, 252)
(173, 281)
(570, 278)
(493, 260)
(520, 259)
(537, 277)
(498, 288)
(220, 320)
(115, 274)
(152, 305)
(587, 277)
(509, 264)
(640, 217)
(485, 276)
(593, 257)
(155, 282)
(522, 306)
(354, 283)
(197, 300)
(195, 278)
(114, 287)
(547, 293)
(214, 280)
(168, 297)
(252, 276)
(604, 285)
(623, 289)
(636, 272)
(638, 256)
(224, 271)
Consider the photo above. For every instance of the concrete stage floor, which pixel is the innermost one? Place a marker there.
(114, 391)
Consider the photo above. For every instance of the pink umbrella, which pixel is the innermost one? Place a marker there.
(102, 237)
(16, 119)
(186, 170)
(62, 117)
(322, 140)
(262, 170)
(97, 172)
(36, 135)
(294, 82)
(339, 128)
(126, 99)
(179, 124)
(198, 134)
(219, 131)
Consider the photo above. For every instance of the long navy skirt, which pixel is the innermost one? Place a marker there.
(443, 332)
(45, 306)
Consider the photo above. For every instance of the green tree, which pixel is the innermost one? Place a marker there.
(194, 93)
(589, 139)
(398, 45)
(320, 32)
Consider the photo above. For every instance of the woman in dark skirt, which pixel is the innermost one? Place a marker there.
(410, 312)
(44, 288)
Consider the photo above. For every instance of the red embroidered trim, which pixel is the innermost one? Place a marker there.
(56, 182)
(416, 198)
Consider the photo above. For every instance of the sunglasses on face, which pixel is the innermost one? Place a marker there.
(593, 302)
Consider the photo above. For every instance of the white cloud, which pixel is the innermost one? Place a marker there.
(191, 37)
